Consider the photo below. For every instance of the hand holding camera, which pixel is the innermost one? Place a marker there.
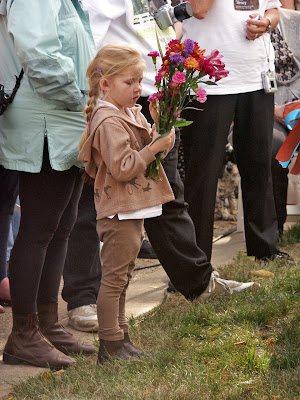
(257, 26)
(165, 15)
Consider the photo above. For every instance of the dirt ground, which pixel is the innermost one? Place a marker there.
(222, 227)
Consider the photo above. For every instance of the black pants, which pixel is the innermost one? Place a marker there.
(49, 201)
(8, 195)
(279, 175)
(204, 142)
(172, 234)
(82, 270)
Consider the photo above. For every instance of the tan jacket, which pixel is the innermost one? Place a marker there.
(117, 155)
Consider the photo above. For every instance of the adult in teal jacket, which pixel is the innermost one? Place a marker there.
(39, 135)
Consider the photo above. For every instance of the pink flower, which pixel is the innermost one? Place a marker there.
(178, 77)
(174, 85)
(220, 74)
(215, 59)
(161, 95)
(201, 93)
(214, 56)
(153, 98)
(153, 54)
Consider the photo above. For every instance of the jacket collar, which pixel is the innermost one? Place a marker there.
(109, 112)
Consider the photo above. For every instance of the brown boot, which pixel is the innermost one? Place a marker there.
(56, 333)
(112, 350)
(130, 347)
(27, 345)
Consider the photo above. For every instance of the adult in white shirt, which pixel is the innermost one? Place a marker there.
(229, 26)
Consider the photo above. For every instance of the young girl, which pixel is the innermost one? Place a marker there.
(117, 147)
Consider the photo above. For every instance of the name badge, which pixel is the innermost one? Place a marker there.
(244, 5)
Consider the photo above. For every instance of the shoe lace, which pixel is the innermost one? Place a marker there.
(215, 278)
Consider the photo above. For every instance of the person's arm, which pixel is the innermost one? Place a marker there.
(200, 7)
(273, 14)
(178, 30)
(289, 4)
(36, 39)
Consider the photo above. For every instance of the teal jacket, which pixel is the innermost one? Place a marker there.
(52, 41)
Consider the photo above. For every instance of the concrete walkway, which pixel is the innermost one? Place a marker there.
(145, 292)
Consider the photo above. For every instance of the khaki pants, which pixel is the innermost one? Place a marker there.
(121, 244)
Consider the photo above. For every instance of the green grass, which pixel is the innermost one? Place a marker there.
(244, 346)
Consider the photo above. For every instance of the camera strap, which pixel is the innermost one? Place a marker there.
(268, 51)
(17, 85)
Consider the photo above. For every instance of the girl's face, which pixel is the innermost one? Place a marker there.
(123, 90)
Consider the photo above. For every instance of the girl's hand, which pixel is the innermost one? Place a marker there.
(165, 143)
(154, 112)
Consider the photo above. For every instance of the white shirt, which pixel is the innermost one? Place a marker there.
(224, 29)
(114, 21)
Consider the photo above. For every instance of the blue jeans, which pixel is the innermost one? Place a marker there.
(13, 231)
(8, 195)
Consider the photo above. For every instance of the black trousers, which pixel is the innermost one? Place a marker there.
(49, 201)
(8, 195)
(172, 235)
(204, 142)
(82, 270)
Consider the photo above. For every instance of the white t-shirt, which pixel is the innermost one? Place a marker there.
(224, 29)
(115, 21)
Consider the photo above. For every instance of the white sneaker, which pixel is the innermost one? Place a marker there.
(218, 286)
(84, 318)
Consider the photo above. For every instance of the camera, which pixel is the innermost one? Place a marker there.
(4, 100)
(166, 15)
(269, 81)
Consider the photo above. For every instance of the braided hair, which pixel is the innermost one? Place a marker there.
(109, 62)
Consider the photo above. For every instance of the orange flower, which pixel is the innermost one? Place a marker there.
(191, 63)
(198, 53)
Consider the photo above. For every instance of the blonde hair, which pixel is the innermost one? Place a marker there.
(109, 62)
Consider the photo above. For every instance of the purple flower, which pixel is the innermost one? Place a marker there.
(178, 77)
(189, 47)
(201, 93)
(176, 58)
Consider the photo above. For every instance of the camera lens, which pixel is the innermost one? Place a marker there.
(183, 11)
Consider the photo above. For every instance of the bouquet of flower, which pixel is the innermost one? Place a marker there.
(183, 67)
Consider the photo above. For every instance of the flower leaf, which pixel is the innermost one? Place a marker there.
(182, 122)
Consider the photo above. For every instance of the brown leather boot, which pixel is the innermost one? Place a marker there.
(27, 345)
(56, 333)
(112, 350)
(130, 347)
